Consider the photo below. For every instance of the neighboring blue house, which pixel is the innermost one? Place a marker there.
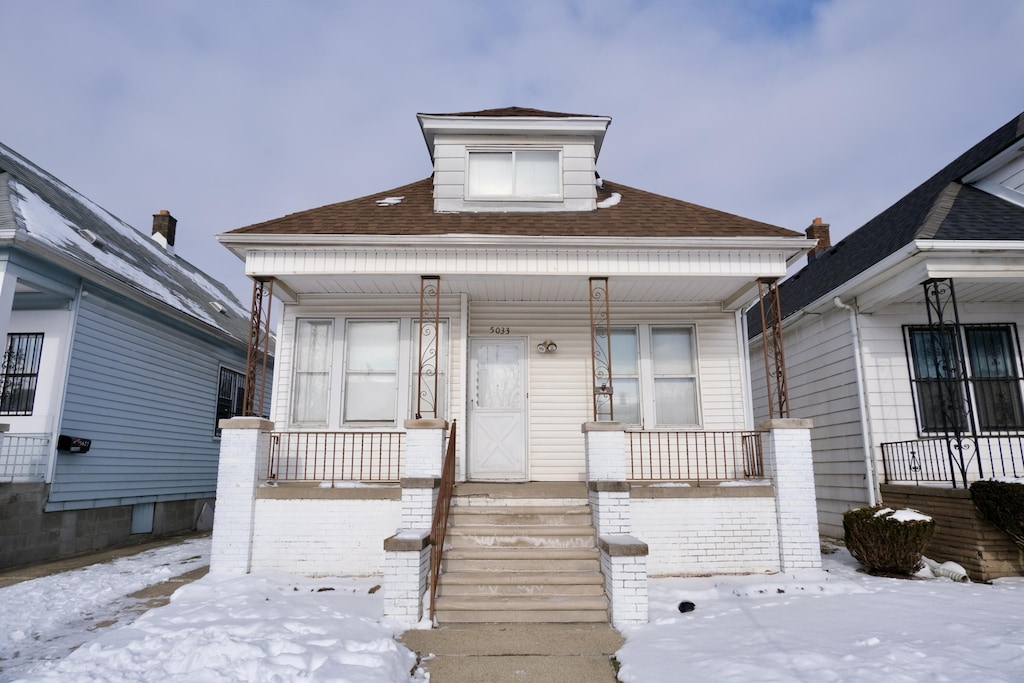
(113, 339)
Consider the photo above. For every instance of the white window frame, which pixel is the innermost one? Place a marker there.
(514, 195)
(647, 377)
(405, 398)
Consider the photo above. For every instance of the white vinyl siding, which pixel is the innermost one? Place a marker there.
(560, 383)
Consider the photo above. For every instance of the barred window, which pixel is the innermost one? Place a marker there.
(230, 396)
(20, 373)
(967, 375)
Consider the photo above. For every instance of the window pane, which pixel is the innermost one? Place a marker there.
(490, 174)
(371, 378)
(230, 396)
(537, 173)
(20, 373)
(372, 346)
(995, 379)
(675, 401)
(312, 371)
(370, 398)
(673, 350)
(941, 400)
(626, 400)
(624, 353)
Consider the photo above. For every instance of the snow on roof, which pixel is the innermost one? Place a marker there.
(61, 221)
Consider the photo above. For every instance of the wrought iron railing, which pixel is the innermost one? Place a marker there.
(335, 456)
(695, 456)
(954, 461)
(24, 457)
(439, 524)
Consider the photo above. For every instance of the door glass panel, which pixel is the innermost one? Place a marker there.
(499, 376)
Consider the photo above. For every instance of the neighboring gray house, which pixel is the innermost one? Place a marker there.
(902, 344)
(113, 339)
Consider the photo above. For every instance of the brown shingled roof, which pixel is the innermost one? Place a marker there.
(513, 111)
(638, 214)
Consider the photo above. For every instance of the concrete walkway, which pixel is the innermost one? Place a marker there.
(513, 653)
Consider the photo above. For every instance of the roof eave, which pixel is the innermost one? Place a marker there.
(432, 125)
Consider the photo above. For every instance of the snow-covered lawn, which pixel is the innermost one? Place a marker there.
(838, 625)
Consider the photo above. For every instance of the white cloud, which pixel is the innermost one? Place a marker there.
(229, 113)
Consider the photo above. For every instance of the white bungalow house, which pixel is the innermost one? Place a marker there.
(902, 344)
(586, 337)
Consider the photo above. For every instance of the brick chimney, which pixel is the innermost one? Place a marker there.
(164, 227)
(818, 231)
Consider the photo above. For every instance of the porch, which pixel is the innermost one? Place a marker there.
(324, 504)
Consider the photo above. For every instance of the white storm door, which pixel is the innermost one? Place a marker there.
(497, 410)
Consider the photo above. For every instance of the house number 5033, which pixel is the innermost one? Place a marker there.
(500, 330)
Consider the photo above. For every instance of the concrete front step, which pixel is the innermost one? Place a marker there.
(513, 578)
(522, 609)
(513, 562)
(555, 616)
(538, 589)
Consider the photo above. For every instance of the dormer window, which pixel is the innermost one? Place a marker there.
(514, 174)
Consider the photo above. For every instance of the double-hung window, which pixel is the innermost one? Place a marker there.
(369, 376)
(514, 174)
(974, 366)
(20, 373)
(654, 376)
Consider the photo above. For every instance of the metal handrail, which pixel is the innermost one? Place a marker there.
(439, 524)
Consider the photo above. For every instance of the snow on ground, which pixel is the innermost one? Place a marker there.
(835, 625)
(840, 625)
(46, 618)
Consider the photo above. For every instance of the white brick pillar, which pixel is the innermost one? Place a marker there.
(624, 563)
(605, 444)
(788, 463)
(606, 476)
(244, 448)
(421, 471)
(406, 567)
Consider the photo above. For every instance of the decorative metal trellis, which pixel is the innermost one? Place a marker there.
(774, 355)
(601, 349)
(258, 353)
(949, 367)
(427, 355)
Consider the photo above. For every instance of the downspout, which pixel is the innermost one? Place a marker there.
(869, 465)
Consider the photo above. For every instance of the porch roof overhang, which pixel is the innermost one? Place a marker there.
(982, 270)
(711, 269)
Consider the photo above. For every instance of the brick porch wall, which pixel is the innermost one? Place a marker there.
(961, 535)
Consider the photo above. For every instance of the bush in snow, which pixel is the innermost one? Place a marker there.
(1001, 503)
(887, 541)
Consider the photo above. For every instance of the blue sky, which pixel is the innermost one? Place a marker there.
(231, 113)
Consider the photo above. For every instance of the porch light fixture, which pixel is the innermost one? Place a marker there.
(547, 346)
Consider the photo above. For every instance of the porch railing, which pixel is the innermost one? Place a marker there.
(335, 456)
(439, 524)
(954, 461)
(24, 457)
(695, 456)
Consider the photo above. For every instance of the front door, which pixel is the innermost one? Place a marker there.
(497, 410)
